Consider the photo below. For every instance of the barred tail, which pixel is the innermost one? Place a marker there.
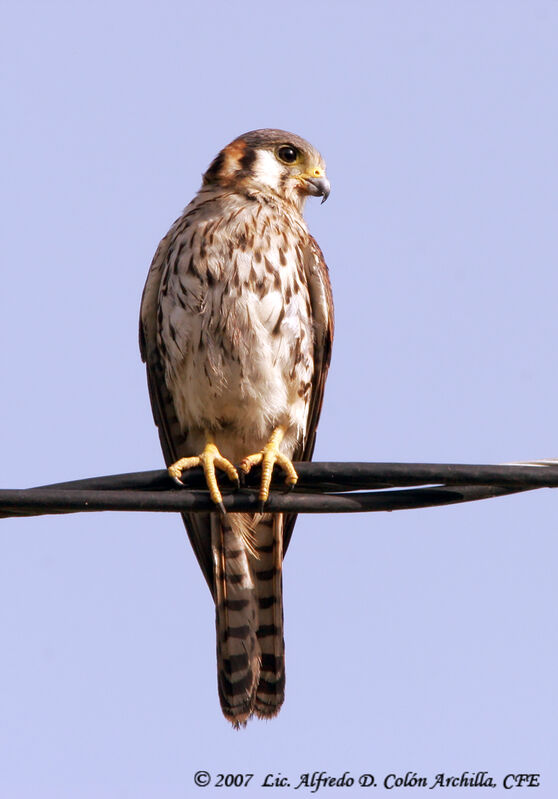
(238, 664)
(270, 692)
(247, 553)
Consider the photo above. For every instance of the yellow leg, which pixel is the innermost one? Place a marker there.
(210, 459)
(268, 457)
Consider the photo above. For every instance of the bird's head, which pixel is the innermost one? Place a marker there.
(270, 162)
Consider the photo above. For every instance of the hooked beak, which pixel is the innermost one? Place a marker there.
(318, 187)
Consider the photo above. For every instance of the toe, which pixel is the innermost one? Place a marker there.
(249, 461)
(227, 467)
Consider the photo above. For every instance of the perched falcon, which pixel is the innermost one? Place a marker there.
(236, 329)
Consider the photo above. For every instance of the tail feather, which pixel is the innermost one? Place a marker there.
(247, 554)
(236, 621)
(270, 691)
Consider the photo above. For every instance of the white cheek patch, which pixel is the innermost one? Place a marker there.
(267, 169)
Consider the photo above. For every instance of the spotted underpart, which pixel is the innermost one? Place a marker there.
(236, 329)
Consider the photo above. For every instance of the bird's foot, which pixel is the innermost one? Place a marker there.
(210, 460)
(268, 457)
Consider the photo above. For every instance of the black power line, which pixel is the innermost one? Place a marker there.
(322, 488)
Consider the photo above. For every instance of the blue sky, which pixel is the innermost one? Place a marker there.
(421, 640)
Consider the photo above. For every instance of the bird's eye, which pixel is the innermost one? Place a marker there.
(287, 154)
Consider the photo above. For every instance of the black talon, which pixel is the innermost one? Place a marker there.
(178, 481)
(261, 506)
(221, 507)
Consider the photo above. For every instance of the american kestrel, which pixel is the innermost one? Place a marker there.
(236, 329)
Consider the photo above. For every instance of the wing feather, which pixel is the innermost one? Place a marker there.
(174, 440)
(321, 302)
